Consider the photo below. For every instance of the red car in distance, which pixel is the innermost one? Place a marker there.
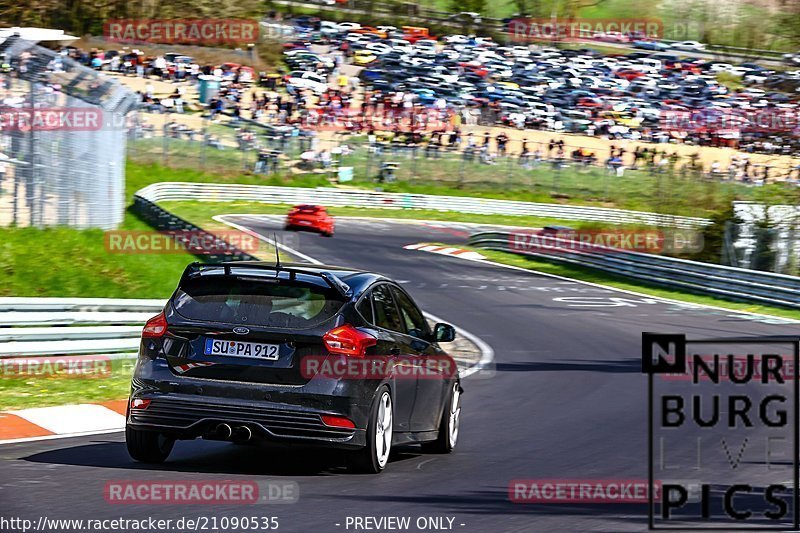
(310, 218)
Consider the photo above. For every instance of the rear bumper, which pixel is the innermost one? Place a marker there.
(188, 417)
(188, 407)
(307, 224)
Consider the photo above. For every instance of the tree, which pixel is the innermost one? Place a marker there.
(787, 22)
(476, 6)
(88, 16)
(724, 224)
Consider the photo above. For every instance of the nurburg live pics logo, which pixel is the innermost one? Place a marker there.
(747, 480)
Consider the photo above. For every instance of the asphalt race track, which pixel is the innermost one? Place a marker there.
(566, 400)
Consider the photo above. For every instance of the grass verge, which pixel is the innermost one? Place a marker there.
(66, 262)
(21, 392)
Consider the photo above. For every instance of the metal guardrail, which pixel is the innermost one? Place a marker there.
(162, 219)
(107, 326)
(115, 341)
(736, 283)
(734, 50)
(333, 197)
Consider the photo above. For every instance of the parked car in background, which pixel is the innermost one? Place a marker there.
(689, 46)
(651, 45)
(364, 57)
(308, 80)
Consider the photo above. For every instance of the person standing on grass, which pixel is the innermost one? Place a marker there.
(524, 155)
(695, 161)
(160, 66)
(673, 161)
(537, 156)
(177, 100)
(615, 166)
(325, 159)
(212, 108)
(439, 145)
(559, 159)
(469, 150)
(637, 156)
(430, 145)
(502, 141)
(455, 139)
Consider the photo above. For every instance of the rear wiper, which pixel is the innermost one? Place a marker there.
(337, 284)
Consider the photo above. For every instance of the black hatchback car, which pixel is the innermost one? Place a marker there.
(304, 354)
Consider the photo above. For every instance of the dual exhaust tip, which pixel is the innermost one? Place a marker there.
(236, 434)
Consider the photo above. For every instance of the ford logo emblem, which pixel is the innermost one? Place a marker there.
(241, 330)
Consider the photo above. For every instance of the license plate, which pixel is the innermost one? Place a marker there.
(254, 350)
(305, 222)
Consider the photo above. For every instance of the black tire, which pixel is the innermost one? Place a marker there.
(148, 446)
(444, 443)
(328, 233)
(365, 460)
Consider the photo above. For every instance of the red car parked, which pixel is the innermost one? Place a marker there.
(311, 218)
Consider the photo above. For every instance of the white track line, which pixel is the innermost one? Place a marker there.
(283, 247)
(634, 293)
(63, 436)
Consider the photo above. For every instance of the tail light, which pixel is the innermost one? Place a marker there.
(155, 327)
(139, 403)
(347, 340)
(338, 422)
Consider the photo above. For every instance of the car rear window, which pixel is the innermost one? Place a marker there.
(295, 304)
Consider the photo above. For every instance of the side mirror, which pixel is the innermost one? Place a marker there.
(444, 332)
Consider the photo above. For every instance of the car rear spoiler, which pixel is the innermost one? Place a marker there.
(196, 269)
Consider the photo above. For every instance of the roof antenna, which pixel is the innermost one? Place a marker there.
(277, 252)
